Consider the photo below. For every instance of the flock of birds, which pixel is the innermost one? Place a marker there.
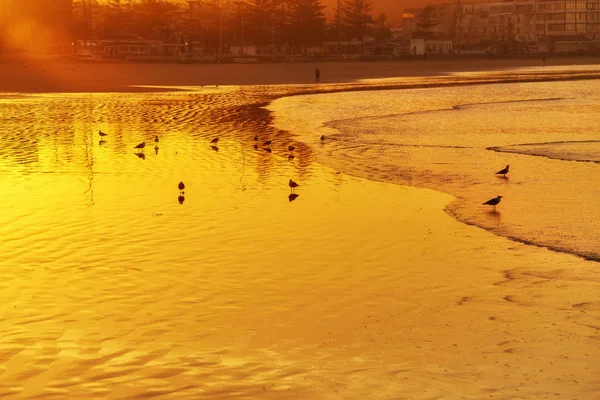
(293, 185)
(496, 200)
(140, 148)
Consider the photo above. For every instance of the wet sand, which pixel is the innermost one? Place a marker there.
(355, 289)
(41, 75)
(455, 140)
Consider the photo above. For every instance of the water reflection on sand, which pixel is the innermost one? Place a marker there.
(113, 287)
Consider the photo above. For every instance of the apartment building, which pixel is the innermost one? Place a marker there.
(512, 26)
(568, 25)
(501, 27)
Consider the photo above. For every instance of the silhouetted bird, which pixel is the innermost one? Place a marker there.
(215, 140)
(292, 197)
(140, 146)
(256, 138)
(503, 171)
(493, 202)
(102, 134)
(267, 143)
(322, 138)
(181, 186)
(215, 148)
(291, 148)
(156, 139)
(293, 185)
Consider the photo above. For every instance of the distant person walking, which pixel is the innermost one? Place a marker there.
(317, 75)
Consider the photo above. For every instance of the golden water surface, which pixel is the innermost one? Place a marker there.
(112, 287)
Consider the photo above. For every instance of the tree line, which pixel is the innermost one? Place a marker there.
(291, 24)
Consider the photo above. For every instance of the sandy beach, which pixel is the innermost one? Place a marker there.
(113, 287)
(43, 75)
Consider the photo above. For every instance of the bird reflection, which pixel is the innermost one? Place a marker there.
(156, 149)
(494, 216)
(292, 197)
(141, 155)
(291, 157)
(268, 150)
(181, 199)
(215, 148)
(255, 147)
(101, 142)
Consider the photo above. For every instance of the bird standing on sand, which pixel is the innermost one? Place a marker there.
(156, 139)
(493, 202)
(267, 143)
(291, 148)
(215, 140)
(102, 134)
(140, 146)
(293, 185)
(503, 171)
(181, 186)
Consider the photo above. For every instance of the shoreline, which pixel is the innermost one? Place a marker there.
(456, 206)
(262, 102)
(58, 76)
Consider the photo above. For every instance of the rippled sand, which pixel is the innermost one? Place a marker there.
(356, 289)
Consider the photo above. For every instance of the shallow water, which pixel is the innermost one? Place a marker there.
(110, 288)
(456, 139)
